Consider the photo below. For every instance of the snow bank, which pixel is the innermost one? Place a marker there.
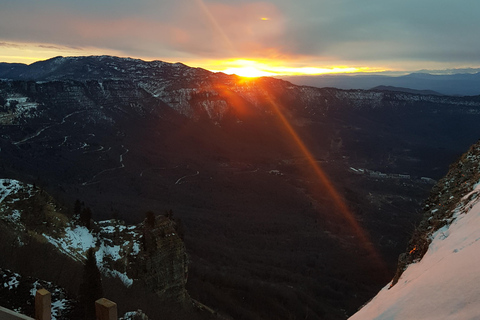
(445, 283)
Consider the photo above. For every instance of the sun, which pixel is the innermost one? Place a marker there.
(268, 68)
(247, 71)
(247, 68)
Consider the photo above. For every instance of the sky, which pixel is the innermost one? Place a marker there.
(276, 36)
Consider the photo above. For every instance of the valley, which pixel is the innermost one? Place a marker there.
(265, 237)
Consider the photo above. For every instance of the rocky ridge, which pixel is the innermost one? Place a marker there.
(196, 93)
(447, 197)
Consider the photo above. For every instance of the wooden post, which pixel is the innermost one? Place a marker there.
(43, 305)
(105, 309)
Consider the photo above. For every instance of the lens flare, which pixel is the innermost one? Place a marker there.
(339, 202)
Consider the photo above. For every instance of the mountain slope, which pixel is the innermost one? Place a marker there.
(441, 282)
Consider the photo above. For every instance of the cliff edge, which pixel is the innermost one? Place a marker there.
(438, 276)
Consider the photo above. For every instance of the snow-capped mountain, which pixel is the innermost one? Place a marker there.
(440, 280)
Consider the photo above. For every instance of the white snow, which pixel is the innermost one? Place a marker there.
(133, 315)
(7, 186)
(78, 240)
(445, 283)
(112, 251)
(79, 237)
(135, 248)
(11, 283)
(33, 291)
(57, 307)
(117, 274)
(75, 242)
(108, 229)
(14, 217)
(23, 105)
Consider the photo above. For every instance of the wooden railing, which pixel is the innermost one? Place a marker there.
(104, 309)
(6, 314)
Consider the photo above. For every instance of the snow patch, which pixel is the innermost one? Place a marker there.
(14, 217)
(12, 281)
(8, 186)
(117, 274)
(75, 242)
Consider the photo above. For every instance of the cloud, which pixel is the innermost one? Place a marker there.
(323, 32)
(10, 45)
(194, 28)
(388, 30)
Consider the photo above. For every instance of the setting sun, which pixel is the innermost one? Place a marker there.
(250, 72)
(252, 68)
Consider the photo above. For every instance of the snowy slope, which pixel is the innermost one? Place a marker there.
(445, 283)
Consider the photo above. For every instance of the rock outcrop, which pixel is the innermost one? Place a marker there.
(163, 264)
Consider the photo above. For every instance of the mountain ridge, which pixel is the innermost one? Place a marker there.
(465, 84)
(400, 89)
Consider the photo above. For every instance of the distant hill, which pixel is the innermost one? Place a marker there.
(464, 84)
(407, 90)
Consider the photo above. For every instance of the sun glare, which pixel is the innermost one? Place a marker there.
(250, 72)
(251, 68)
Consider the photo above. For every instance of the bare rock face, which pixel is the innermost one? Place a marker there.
(163, 264)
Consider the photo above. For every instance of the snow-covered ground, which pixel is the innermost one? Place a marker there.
(445, 283)
(76, 241)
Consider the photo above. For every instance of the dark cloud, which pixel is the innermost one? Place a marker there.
(10, 45)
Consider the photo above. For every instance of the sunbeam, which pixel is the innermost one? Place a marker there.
(216, 26)
(339, 202)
